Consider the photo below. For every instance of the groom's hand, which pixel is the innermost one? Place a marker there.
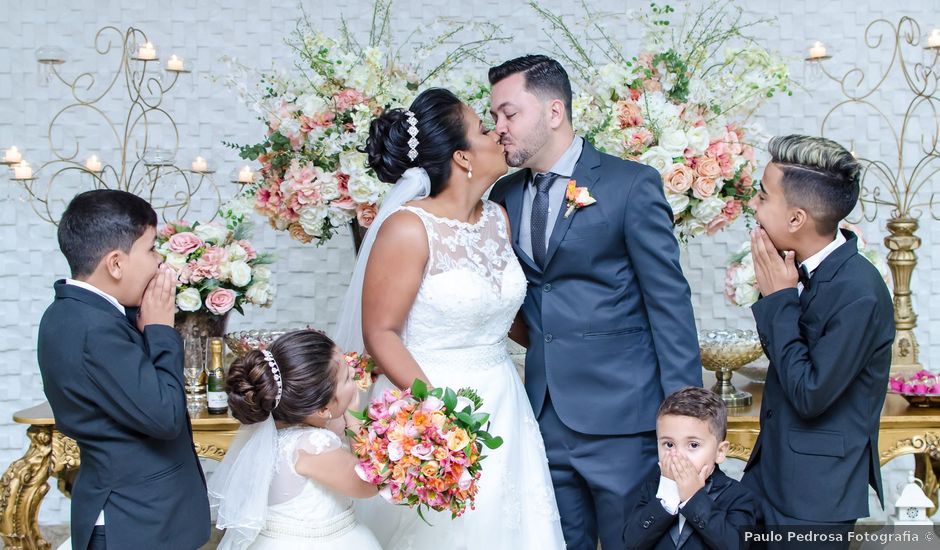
(773, 272)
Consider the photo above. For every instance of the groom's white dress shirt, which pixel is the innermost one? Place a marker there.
(564, 167)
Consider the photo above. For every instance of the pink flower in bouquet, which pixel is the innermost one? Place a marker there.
(342, 183)
(703, 187)
(186, 273)
(318, 120)
(250, 252)
(345, 202)
(716, 149)
(348, 99)
(209, 265)
(678, 179)
(645, 60)
(731, 211)
(365, 214)
(220, 301)
(707, 167)
(639, 140)
(169, 229)
(745, 184)
(733, 141)
(184, 243)
(629, 114)
(652, 85)
(726, 165)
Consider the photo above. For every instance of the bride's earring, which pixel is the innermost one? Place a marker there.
(469, 171)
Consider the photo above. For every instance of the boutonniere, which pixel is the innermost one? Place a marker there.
(577, 197)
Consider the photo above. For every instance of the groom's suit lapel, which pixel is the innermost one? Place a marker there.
(586, 174)
(514, 198)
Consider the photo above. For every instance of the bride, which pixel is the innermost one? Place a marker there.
(433, 296)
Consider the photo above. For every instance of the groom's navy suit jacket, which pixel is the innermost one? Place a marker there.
(830, 354)
(611, 329)
(119, 393)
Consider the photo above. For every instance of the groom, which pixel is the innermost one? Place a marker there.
(609, 319)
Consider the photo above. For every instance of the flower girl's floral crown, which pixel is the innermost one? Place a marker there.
(413, 132)
(272, 364)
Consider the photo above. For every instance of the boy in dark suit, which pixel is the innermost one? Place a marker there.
(114, 378)
(690, 503)
(826, 323)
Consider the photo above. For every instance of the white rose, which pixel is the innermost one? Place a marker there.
(745, 295)
(259, 293)
(236, 252)
(706, 210)
(174, 260)
(329, 187)
(365, 189)
(212, 233)
(674, 142)
(678, 202)
(241, 273)
(312, 218)
(698, 139)
(312, 104)
(694, 228)
(261, 273)
(658, 158)
(189, 300)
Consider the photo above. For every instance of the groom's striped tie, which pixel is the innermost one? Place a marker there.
(539, 221)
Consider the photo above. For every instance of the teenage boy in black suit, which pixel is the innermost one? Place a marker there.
(114, 378)
(826, 322)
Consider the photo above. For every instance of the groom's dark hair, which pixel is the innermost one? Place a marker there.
(544, 77)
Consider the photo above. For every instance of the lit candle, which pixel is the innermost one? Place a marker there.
(817, 51)
(147, 52)
(174, 64)
(933, 41)
(12, 155)
(200, 165)
(22, 171)
(93, 164)
(246, 175)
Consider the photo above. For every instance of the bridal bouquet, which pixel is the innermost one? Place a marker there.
(741, 281)
(680, 105)
(218, 268)
(314, 177)
(424, 448)
(362, 366)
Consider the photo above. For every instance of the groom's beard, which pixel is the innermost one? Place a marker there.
(526, 150)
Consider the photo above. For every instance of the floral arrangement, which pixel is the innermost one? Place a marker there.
(741, 281)
(314, 177)
(424, 448)
(218, 268)
(362, 366)
(920, 383)
(681, 105)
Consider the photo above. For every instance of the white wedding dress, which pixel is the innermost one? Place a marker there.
(472, 288)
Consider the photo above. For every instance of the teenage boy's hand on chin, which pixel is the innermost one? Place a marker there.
(773, 272)
(158, 305)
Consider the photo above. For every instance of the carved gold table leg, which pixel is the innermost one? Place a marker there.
(23, 488)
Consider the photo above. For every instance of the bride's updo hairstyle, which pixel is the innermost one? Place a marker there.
(441, 132)
(308, 378)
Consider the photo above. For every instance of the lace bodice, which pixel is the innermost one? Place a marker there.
(472, 287)
(293, 497)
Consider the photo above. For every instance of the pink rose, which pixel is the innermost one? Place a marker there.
(703, 188)
(184, 243)
(730, 213)
(678, 179)
(639, 140)
(348, 98)
(209, 265)
(220, 301)
(708, 168)
(652, 86)
(365, 214)
(250, 253)
(629, 115)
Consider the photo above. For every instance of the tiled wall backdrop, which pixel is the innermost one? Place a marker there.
(311, 280)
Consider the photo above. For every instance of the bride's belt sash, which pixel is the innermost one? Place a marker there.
(469, 358)
(334, 527)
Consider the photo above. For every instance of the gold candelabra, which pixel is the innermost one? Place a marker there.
(899, 184)
(144, 164)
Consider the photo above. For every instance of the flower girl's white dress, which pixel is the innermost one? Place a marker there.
(302, 514)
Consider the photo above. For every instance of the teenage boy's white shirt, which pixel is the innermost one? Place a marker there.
(115, 303)
(817, 259)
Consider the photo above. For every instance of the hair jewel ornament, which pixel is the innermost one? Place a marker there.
(413, 132)
(272, 364)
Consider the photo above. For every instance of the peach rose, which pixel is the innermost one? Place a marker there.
(220, 301)
(730, 213)
(708, 168)
(702, 188)
(678, 179)
(457, 439)
(365, 214)
(184, 243)
(629, 115)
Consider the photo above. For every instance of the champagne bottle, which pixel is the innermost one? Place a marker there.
(216, 397)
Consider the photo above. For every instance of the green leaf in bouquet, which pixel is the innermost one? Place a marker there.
(360, 415)
(450, 400)
(480, 418)
(419, 389)
(421, 514)
(437, 392)
(464, 417)
(493, 443)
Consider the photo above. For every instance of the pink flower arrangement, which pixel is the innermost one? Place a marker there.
(424, 448)
(362, 366)
(218, 269)
(920, 383)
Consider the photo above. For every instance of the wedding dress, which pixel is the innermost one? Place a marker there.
(456, 330)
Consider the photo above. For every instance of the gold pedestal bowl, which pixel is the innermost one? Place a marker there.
(723, 352)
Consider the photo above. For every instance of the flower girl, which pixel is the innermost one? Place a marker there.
(287, 480)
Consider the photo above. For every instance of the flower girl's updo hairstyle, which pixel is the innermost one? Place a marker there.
(441, 132)
(308, 378)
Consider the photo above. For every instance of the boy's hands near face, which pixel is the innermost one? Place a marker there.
(158, 305)
(773, 272)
